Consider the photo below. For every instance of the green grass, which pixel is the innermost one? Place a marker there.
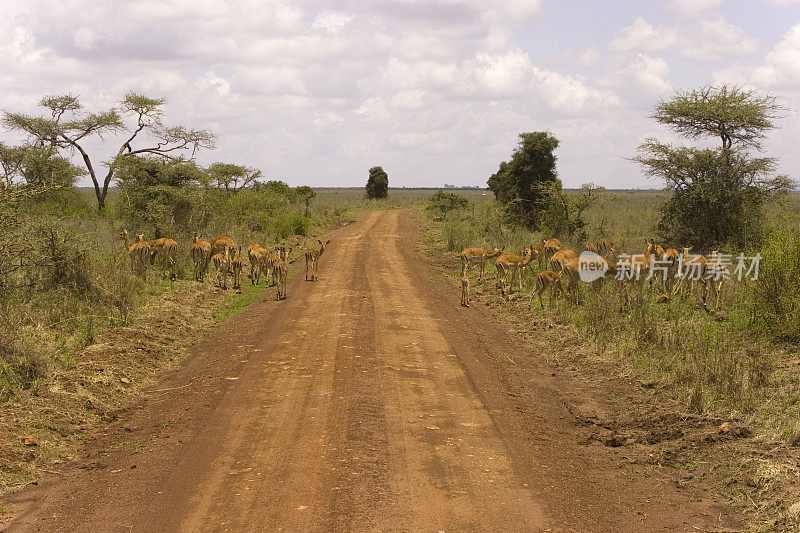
(233, 304)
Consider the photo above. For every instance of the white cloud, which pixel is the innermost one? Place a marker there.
(270, 80)
(331, 21)
(571, 95)
(23, 46)
(210, 80)
(717, 39)
(649, 73)
(706, 40)
(85, 38)
(588, 57)
(779, 70)
(692, 8)
(643, 37)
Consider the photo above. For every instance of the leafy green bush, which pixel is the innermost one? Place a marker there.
(444, 202)
(775, 296)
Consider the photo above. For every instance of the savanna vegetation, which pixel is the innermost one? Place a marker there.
(717, 355)
(731, 354)
(65, 269)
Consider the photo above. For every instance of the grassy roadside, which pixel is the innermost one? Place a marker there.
(45, 426)
(746, 382)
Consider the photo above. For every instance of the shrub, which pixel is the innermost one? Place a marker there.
(444, 202)
(60, 261)
(775, 296)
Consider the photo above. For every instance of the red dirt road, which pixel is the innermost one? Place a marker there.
(367, 401)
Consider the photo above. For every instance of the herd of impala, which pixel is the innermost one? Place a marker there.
(677, 272)
(226, 257)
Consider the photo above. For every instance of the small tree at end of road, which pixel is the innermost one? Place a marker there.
(377, 184)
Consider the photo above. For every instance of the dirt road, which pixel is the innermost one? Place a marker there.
(367, 401)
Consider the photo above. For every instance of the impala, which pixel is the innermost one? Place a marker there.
(464, 288)
(255, 256)
(267, 265)
(477, 255)
(222, 264)
(166, 250)
(611, 272)
(312, 258)
(693, 268)
(716, 273)
(636, 268)
(201, 255)
(236, 270)
(514, 264)
(547, 279)
(672, 260)
(280, 271)
(537, 252)
(138, 252)
(657, 266)
(607, 248)
(561, 257)
(571, 269)
(221, 244)
(284, 253)
(551, 246)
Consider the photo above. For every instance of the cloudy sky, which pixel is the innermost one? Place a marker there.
(435, 91)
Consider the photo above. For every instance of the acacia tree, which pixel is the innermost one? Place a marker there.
(718, 193)
(232, 178)
(377, 183)
(523, 184)
(69, 126)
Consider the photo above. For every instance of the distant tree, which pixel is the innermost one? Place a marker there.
(276, 186)
(305, 194)
(522, 185)
(377, 183)
(232, 178)
(718, 193)
(69, 127)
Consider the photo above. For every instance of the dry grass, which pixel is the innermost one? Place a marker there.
(97, 381)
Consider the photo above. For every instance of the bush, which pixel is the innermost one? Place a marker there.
(22, 360)
(60, 261)
(775, 296)
(444, 202)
